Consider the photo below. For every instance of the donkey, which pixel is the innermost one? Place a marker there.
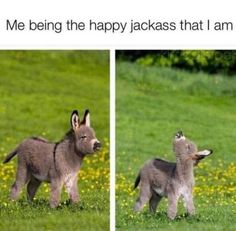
(57, 163)
(159, 178)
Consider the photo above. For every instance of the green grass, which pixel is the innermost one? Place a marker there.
(152, 104)
(39, 89)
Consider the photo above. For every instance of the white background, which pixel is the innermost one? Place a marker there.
(122, 10)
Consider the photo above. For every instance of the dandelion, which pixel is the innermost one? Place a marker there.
(95, 174)
(215, 185)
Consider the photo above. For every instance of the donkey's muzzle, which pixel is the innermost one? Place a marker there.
(97, 146)
(179, 136)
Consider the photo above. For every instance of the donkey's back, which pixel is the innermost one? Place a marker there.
(156, 173)
(36, 148)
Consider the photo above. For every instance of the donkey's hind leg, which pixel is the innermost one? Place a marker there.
(22, 176)
(32, 188)
(154, 201)
(144, 196)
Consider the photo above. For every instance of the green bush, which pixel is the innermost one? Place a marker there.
(210, 61)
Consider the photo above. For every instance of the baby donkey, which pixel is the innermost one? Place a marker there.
(57, 163)
(159, 178)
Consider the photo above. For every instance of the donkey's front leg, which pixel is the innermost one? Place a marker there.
(172, 206)
(72, 189)
(56, 187)
(188, 203)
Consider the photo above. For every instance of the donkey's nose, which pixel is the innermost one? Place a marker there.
(97, 146)
(179, 136)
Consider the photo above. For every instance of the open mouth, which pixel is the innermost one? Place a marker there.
(97, 147)
(179, 136)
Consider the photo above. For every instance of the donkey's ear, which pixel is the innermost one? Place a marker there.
(74, 120)
(205, 153)
(201, 155)
(86, 119)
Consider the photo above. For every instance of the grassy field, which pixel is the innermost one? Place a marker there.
(39, 89)
(152, 104)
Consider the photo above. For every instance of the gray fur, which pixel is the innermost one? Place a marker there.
(57, 163)
(159, 178)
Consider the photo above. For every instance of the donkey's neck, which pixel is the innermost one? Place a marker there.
(184, 169)
(72, 158)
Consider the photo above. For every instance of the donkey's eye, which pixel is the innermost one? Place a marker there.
(83, 137)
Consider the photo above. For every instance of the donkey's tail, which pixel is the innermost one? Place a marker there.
(10, 156)
(136, 183)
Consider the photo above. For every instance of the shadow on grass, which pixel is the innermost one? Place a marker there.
(43, 205)
(162, 216)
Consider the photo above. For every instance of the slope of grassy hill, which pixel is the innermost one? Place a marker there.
(39, 89)
(152, 105)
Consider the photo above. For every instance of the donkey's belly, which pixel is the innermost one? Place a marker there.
(41, 177)
(160, 191)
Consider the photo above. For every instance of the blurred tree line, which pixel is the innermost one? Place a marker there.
(210, 61)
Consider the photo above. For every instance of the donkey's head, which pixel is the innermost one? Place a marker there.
(186, 149)
(84, 136)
